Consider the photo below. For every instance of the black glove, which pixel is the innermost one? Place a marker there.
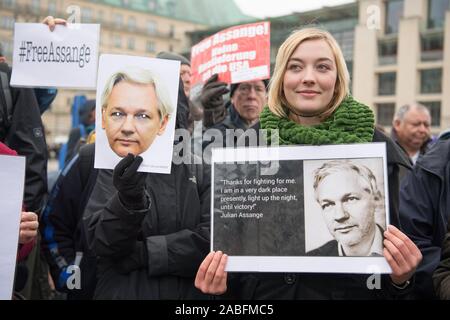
(130, 183)
(214, 110)
(136, 260)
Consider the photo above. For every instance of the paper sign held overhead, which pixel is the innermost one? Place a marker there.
(64, 58)
(240, 53)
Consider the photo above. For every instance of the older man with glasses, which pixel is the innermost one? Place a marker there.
(241, 112)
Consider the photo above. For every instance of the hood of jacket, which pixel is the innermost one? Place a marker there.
(437, 158)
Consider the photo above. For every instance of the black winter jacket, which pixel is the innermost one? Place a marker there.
(425, 210)
(152, 253)
(61, 226)
(441, 276)
(26, 135)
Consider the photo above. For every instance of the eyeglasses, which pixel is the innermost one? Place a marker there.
(247, 88)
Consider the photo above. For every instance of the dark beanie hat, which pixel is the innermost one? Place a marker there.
(234, 86)
(173, 56)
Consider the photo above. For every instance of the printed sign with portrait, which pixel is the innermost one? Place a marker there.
(301, 209)
(136, 110)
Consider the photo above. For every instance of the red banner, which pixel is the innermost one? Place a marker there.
(237, 54)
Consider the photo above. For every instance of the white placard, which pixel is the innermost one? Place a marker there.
(12, 177)
(250, 74)
(64, 58)
(158, 155)
(298, 209)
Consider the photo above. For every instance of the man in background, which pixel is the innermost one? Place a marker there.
(411, 130)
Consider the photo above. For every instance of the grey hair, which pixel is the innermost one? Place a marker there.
(335, 166)
(403, 110)
(140, 76)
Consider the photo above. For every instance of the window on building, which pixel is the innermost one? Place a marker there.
(117, 41)
(7, 47)
(171, 7)
(131, 43)
(151, 27)
(350, 70)
(86, 15)
(11, 22)
(431, 81)
(273, 54)
(100, 17)
(118, 20)
(152, 5)
(7, 22)
(394, 11)
(150, 47)
(9, 3)
(346, 42)
(385, 113)
(386, 83)
(435, 112)
(432, 46)
(36, 6)
(387, 51)
(131, 23)
(52, 8)
(436, 13)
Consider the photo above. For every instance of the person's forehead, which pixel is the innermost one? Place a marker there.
(415, 114)
(123, 91)
(185, 67)
(317, 48)
(254, 83)
(342, 178)
(127, 85)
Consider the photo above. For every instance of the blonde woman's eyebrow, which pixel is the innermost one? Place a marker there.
(318, 60)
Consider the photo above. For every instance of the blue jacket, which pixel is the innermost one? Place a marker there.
(425, 210)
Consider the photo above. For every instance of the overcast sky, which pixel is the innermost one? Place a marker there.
(272, 8)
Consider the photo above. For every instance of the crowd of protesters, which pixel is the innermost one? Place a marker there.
(138, 235)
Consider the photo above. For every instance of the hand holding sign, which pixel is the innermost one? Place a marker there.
(52, 22)
(212, 100)
(212, 93)
(28, 227)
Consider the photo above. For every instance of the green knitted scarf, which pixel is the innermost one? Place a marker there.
(352, 122)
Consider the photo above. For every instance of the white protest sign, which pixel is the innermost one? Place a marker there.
(12, 178)
(64, 58)
(132, 94)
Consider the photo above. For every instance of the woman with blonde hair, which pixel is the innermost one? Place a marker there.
(310, 104)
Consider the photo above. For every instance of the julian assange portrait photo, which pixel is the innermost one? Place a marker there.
(345, 212)
(136, 109)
